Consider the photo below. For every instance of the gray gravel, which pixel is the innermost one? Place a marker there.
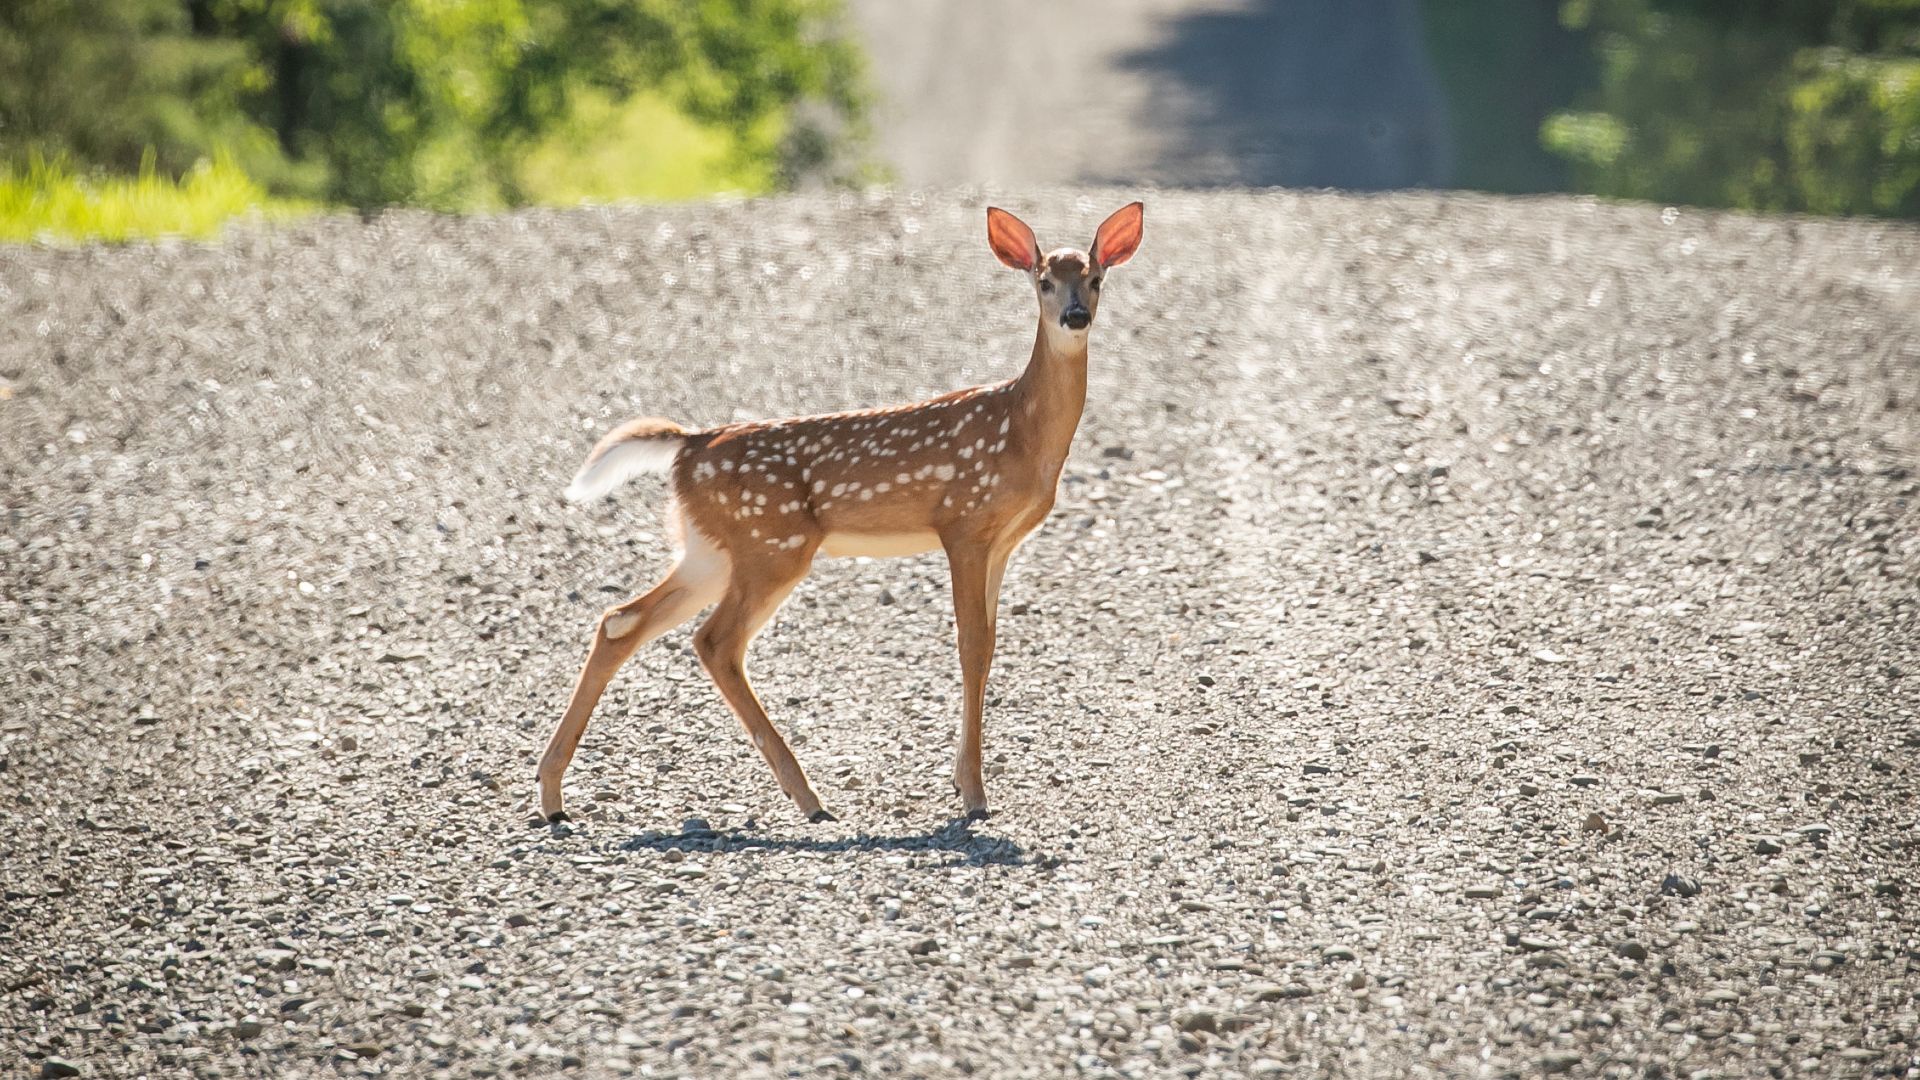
(1476, 637)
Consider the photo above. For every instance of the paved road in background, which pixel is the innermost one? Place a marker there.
(1181, 93)
(1475, 637)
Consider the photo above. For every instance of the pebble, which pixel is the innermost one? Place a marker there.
(1679, 885)
(278, 959)
(54, 1066)
(1482, 892)
(1197, 1019)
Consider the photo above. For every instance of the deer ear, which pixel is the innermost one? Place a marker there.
(1118, 236)
(1011, 240)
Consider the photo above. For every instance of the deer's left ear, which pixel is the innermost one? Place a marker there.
(1118, 236)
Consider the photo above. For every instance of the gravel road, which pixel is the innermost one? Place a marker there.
(1475, 637)
(1185, 93)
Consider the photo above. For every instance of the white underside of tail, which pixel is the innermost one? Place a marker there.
(621, 462)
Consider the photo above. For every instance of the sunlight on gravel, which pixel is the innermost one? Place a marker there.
(1475, 637)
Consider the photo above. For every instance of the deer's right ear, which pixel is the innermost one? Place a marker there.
(1011, 240)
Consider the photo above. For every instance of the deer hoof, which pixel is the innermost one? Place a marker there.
(558, 816)
(819, 816)
(979, 813)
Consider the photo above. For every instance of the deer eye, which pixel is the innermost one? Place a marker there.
(1046, 284)
(1094, 284)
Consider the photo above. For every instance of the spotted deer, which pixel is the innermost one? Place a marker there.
(971, 472)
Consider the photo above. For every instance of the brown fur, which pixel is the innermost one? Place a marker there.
(972, 472)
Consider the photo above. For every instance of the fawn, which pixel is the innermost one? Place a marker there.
(972, 472)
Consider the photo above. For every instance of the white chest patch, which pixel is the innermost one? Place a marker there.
(878, 545)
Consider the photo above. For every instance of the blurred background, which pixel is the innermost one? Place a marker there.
(124, 118)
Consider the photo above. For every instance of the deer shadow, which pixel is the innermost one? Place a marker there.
(956, 838)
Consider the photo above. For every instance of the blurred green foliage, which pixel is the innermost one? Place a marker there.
(1808, 105)
(46, 200)
(439, 103)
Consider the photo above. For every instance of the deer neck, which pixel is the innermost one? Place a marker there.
(1051, 394)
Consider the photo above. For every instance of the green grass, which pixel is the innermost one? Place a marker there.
(47, 201)
(644, 150)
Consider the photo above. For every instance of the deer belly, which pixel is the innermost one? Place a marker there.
(878, 545)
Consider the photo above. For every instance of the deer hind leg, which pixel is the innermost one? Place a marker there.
(754, 592)
(695, 581)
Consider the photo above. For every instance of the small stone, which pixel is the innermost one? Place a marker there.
(1667, 798)
(1558, 1063)
(1678, 885)
(277, 959)
(1538, 944)
(1719, 997)
(1594, 823)
(1197, 1019)
(54, 1066)
(248, 1029)
(1768, 845)
(366, 1049)
(1481, 892)
(923, 947)
(1529, 789)
(1584, 780)
(1336, 953)
(1632, 950)
(1316, 769)
(519, 918)
(1280, 993)
(1357, 981)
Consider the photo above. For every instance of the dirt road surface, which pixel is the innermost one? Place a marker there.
(1475, 637)
(1185, 93)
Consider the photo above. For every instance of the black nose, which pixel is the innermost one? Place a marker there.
(1076, 320)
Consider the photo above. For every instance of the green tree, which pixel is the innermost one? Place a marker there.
(1759, 104)
(103, 82)
(423, 102)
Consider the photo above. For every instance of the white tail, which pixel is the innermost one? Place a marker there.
(639, 446)
(972, 472)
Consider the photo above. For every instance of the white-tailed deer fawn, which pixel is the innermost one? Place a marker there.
(972, 472)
